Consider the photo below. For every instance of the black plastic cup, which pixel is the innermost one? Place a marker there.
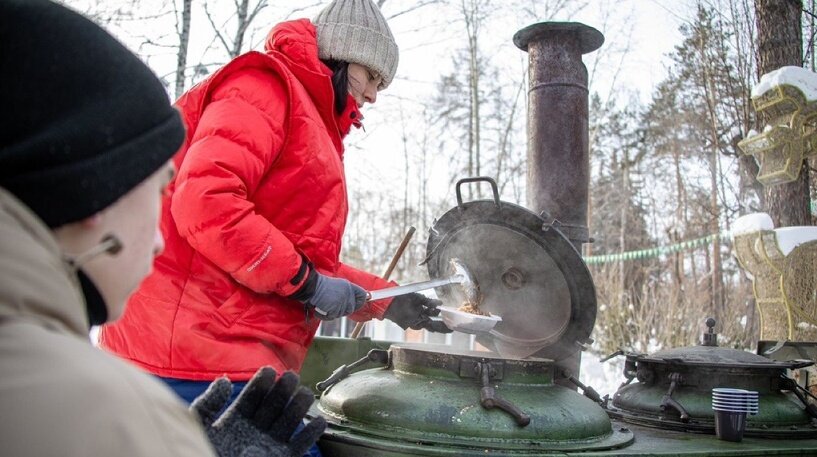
(730, 425)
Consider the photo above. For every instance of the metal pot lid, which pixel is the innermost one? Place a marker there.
(527, 271)
(714, 356)
(708, 354)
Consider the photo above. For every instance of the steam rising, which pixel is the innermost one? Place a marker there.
(518, 280)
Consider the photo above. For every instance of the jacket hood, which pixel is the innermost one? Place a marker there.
(296, 42)
(35, 283)
(299, 42)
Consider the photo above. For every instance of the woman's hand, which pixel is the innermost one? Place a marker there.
(415, 311)
(331, 297)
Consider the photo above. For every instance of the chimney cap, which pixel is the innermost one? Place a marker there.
(589, 38)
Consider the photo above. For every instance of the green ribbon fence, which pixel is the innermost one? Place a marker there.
(657, 251)
(664, 250)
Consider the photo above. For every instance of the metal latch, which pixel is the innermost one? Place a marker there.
(668, 402)
(375, 355)
(486, 372)
(588, 391)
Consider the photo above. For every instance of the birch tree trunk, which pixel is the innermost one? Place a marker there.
(244, 17)
(472, 15)
(184, 41)
(716, 285)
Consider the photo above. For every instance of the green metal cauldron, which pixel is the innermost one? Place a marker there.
(327, 353)
(674, 390)
(430, 400)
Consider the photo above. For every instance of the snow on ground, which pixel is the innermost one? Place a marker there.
(801, 78)
(752, 223)
(604, 377)
(789, 238)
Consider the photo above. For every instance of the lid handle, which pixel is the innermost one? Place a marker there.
(478, 179)
(710, 337)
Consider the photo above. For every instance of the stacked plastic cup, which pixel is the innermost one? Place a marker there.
(731, 407)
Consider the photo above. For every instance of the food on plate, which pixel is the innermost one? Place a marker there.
(472, 308)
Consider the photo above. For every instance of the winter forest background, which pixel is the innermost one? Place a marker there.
(665, 167)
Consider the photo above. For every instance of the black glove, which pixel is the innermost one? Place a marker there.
(414, 311)
(331, 297)
(263, 418)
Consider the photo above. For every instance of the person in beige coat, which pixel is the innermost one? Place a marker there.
(87, 135)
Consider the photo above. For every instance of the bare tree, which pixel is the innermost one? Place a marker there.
(741, 20)
(183, 29)
(244, 15)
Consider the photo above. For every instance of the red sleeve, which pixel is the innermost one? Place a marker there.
(238, 139)
(367, 281)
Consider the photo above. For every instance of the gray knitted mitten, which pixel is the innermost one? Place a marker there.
(262, 420)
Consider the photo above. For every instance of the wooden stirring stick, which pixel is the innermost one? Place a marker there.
(359, 326)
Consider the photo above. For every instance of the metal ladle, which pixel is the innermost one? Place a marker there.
(460, 276)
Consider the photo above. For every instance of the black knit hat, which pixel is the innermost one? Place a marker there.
(84, 120)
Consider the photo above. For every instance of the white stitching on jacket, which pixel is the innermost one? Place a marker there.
(257, 262)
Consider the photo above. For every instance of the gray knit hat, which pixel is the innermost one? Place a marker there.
(355, 31)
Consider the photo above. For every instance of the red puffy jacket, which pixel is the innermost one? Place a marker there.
(260, 182)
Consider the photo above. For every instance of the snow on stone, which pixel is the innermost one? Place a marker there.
(806, 326)
(752, 133)
(801, 78)
(753, 222)
(789, 238)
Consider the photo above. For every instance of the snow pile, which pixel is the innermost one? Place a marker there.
(789, 238)
(801, 78)
(753, 222)
(604, 377)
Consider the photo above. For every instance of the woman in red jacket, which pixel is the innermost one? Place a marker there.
(254, 219)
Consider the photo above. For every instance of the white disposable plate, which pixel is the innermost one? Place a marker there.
(731, 391)
(735, 405)
(734, 394)
(736, 397)
(461, 321)
(730, 397)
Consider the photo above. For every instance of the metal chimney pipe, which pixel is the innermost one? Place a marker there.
(558, 159)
